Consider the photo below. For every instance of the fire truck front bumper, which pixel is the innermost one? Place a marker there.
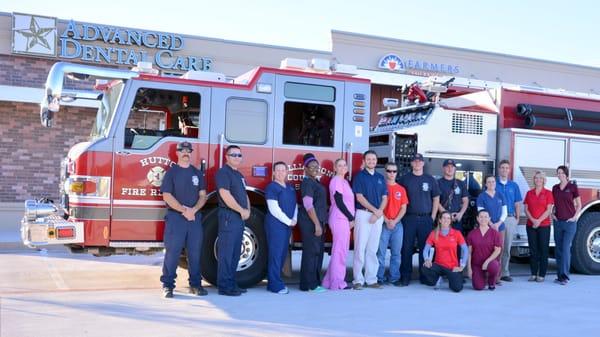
(42, 225)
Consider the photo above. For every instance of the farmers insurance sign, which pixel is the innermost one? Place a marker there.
(38, 35)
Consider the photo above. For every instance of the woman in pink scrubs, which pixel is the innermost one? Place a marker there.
(485, 245)
(341, 220)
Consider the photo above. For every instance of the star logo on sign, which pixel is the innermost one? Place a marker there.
(36, 35)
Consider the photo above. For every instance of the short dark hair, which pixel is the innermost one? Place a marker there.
(482, 211)
(368, 152)
(503, 161)
(279, 163)
(564, 168)
(388, 164)
(487, 177)
(231, 147)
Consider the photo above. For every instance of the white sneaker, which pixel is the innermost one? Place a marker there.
(284, 291)
(438, 284)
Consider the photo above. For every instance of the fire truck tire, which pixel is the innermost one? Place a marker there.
(252, 267)
(585, 251)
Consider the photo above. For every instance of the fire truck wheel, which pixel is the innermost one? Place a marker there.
(252, 267)
(586, 245)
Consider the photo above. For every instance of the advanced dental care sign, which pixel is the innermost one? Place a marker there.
(39, 35)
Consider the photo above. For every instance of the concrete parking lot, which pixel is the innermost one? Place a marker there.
(54, 293)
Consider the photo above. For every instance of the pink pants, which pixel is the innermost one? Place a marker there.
(336, 272)
(489, 276)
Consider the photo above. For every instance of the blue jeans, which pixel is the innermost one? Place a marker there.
(393, 239)
(564, 232)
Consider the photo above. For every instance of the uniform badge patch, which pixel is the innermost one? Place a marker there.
(457, 190)
(195, 180)
(398, 195)
(425, 187)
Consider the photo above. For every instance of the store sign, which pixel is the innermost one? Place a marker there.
(38, 35)
(34, 35)
(393, 62)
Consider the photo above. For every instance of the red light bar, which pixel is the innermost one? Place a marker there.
(65, 233)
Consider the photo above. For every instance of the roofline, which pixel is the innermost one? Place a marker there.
(424, 44)
(211, 39)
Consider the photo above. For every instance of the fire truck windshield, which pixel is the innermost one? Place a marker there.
(106, 111)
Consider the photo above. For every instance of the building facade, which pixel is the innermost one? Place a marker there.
(30, 154)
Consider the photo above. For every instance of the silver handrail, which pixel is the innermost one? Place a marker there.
(349, 159)
(221, 141)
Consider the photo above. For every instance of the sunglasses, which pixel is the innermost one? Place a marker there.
(391, 171)
(235, 155)
(185, 151)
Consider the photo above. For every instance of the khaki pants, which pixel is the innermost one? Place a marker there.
(511, 227)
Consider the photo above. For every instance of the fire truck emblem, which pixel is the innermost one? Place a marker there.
(391, 62)
(155, 175)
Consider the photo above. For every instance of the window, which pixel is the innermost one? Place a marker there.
(309, 92)
(308, 124)
(157, 114)
(246, 121)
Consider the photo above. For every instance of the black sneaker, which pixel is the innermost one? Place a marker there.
(397, 283)
(506, 278)
(168, 292)
(229, 292)
(198, 291)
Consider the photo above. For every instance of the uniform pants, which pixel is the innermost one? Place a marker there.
(392, 238)
(312, 254)
(181, 233)
(366, 244)
(539, 242)
(455, 279)
(231, 229)
(489, 276)
(564, 232)
(509, 232)
(336, 272)
(415, 227)
(278, 242)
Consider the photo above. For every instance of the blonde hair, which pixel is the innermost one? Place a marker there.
(541, 174)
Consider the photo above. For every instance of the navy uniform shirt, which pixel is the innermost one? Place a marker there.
(420, 190)
(451, 193)
(371, 186)
(312, 188)
(184, 184)
(233, 181)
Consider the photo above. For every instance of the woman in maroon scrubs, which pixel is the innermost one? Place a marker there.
(485, 244)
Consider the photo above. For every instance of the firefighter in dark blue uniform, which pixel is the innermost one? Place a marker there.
(184, 191)
(234, 209)
(454, 197)
(423, 201)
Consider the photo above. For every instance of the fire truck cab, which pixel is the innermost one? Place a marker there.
(111, 201)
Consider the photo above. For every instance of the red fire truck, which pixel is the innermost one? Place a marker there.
(110, 185)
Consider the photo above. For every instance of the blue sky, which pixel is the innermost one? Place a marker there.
(564, 31)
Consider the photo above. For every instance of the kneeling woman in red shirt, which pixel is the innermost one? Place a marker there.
(485, 245)
(446, 241)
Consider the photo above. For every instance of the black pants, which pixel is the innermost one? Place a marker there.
(415, 227)
(539, 242)
(231, 231)
(312, 255)
(455, 279)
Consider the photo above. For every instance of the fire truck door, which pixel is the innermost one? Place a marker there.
(308, 118)
(244, 118)
(152, 119)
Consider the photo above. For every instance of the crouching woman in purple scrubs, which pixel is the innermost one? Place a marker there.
(485, 245)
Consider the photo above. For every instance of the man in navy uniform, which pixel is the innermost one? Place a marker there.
(234, 209)
(424, 195)
(454, 196)
(184, 192)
